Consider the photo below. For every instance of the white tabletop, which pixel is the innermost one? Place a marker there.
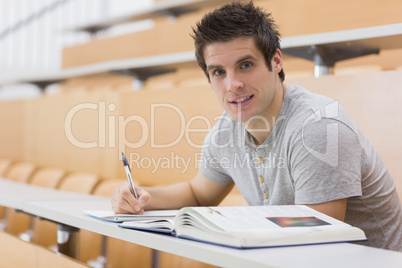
(67, 208)
(173, 8)
(330, 255)
(377, 37)
(15, 194)
(381, 37)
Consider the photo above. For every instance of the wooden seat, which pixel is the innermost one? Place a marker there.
(17, 253)
(49, 177)
(21, 171)
(45, 232)
(105, 188)
(22, 224)
(17, 222)
(4, 165)
(79, 182)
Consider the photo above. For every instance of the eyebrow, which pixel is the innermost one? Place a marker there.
(211, 67)
(245, 58)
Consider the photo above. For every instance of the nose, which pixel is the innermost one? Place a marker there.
(233, 82)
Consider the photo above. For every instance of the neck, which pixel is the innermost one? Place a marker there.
(261, 128)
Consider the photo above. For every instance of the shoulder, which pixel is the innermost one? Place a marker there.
(303, 103)
(304, 108)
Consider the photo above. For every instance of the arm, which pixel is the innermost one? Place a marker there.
(335, 209)
(198, 192)
(337, 160)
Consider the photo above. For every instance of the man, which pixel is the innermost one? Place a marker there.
(280, 145)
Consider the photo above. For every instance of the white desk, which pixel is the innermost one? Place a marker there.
(159, 9)
(15, 194)
(69, 212)
(142, 66)
(325, 49)
(338, 45)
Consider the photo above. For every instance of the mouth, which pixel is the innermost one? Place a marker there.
(241, 100)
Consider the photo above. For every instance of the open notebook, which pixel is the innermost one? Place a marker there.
(252, 227)
(108, 215)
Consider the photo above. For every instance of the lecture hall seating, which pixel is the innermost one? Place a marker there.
(4, 165)
(45, 231)
(18, 222)
(372, 81)
(48, 177)
(117, 253)
(18, 253)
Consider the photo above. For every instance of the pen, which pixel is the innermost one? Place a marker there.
(128, 172)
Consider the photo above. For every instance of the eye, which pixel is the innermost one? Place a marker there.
(218, 72)
(245, 65)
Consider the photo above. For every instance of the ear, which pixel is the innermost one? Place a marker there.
(277, 61)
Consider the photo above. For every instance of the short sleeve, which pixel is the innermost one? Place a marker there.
(326, 162)
(210, 164)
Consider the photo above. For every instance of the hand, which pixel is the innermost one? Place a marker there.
(123, 201)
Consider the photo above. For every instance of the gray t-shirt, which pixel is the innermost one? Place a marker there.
(314, 154)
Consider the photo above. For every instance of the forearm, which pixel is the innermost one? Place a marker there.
(173, 196)
(198, 192)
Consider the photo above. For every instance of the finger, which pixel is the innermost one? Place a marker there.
(116, 203)
(125, 192)
(121, 202)
(116, 209)
(144, 197)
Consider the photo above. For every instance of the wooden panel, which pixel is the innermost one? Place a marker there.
(12, 118)
(373, 100)
(184, 77)
(84, 115)
(166, 37)
(45, 129)
(72, 131)
(17, 222)
(96, 82)
(296, 17)
(170, 260)
(17, 253)
(293, 17)
(164, 149)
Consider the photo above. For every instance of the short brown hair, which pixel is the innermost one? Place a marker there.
(237, 20)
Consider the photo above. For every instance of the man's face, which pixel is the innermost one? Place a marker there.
(241, 80)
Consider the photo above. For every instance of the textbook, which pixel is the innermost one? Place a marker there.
(108, 215)
(253, 226)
